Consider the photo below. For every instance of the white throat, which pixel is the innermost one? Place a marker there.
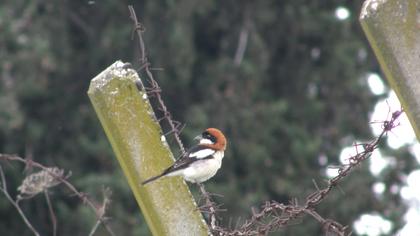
(206, 141)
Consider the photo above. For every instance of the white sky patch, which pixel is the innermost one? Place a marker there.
(415, 150)
(379, 188)
(412, 217)
(372, 225)
(342, 13)
(348, 152)
(376, 85)
(331, 172)
(377, 163)
(411, 192)
(406, 193)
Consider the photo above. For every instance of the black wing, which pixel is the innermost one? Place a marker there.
(193, 149)
(184, 161)
(181, 163)
(188, 158)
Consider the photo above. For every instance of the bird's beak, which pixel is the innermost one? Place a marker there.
(198, 138)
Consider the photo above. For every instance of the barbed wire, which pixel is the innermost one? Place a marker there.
(154, 90)
(281, 215)
(272, 215)
(176, 127)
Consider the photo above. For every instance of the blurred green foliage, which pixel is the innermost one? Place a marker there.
(298, 93)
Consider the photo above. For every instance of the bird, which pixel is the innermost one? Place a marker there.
(200, 162)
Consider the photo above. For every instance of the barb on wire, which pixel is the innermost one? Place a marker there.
(42, 181)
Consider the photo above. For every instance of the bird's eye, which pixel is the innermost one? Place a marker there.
(209, 136)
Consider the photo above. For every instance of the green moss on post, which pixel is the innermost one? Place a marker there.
(393, 30)
(128, 120)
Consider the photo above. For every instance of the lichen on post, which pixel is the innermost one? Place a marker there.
(136, 138)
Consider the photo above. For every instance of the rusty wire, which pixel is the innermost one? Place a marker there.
(176, 127)
(274, 215)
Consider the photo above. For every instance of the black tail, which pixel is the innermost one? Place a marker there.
(152, 179)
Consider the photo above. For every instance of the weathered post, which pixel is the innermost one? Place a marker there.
(136, 138)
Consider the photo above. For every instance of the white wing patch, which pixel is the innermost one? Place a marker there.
(202, 153)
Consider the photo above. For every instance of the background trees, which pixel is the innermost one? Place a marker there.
(289, 104)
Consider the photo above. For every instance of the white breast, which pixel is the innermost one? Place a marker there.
(203, 170)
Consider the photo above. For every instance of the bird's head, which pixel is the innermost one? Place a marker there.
(213, 138)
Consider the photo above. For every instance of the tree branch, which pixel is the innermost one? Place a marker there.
(62, 179)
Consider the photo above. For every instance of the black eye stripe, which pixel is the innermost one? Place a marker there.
(207, 135)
